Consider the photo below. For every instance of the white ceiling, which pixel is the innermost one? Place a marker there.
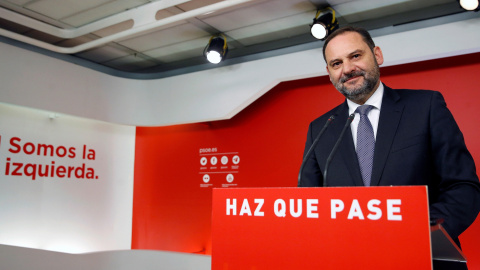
(145, 36)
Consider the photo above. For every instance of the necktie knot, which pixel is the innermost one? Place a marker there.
(364, 109)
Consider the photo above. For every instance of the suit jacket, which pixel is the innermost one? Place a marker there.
(418, 143)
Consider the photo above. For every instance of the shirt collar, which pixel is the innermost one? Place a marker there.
(375, 100)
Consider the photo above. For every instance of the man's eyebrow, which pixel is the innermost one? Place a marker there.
(350, 54)
(356, 51)
(333, 61)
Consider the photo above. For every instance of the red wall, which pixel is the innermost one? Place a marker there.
(172, 205)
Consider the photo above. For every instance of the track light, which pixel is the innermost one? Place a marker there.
(469, 4)
(216, 49)
(324, 25)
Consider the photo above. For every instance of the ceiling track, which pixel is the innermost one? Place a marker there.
(143, 17)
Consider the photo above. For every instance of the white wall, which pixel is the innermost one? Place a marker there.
(33, 80)
(78, 213)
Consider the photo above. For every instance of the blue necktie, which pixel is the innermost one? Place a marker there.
(365, 144)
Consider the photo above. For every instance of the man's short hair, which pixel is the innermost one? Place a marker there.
(364, 33)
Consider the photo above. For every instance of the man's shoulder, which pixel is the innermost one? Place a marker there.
(413, 95)
(323, 118)
(415, 92)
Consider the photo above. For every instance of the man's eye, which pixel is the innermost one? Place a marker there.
(356, 56)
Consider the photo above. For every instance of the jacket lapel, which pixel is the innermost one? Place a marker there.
(346, 149)
(390, 115)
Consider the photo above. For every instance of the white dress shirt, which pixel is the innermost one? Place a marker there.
(373, 115)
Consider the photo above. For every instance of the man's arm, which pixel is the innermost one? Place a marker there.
(458, 201)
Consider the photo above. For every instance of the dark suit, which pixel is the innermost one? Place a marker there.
(418, 143)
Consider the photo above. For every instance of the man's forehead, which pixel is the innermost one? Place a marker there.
(344, 44)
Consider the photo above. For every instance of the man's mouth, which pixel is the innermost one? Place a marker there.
(351, 77)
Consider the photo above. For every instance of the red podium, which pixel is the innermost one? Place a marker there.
(321, 228)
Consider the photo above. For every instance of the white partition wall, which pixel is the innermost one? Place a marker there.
(66, 182)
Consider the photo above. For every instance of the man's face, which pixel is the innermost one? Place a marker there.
(353, 68)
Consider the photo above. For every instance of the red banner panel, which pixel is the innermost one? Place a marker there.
(321, 228)
(176, 167)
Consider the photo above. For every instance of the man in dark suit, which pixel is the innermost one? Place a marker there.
(415, 138)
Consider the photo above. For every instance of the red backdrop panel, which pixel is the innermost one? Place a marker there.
(172, 202)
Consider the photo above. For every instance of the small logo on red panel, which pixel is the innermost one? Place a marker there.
(224, 160)
(213, 160)
(206, 178)
(229, 178)
(236, 159)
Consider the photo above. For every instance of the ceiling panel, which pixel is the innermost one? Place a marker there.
(273, 30)
(165, 37)
(258, 14)
(353, 7)
(102, 11)
(362, 10)
(19, 2)
(58, 9)
(251, 27)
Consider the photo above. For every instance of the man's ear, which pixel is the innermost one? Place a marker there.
(378, 55)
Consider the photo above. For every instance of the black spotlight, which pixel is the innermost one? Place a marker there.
(216, 49)
(471, 5)
(324, 25)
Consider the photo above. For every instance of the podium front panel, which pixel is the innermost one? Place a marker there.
(321, 228)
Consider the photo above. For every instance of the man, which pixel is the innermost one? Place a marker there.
(404, 137)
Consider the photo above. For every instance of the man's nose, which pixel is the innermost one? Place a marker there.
(348, 67)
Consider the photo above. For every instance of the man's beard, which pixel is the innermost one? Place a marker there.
(370, 80)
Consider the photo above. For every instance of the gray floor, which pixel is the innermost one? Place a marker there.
(18, 258)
